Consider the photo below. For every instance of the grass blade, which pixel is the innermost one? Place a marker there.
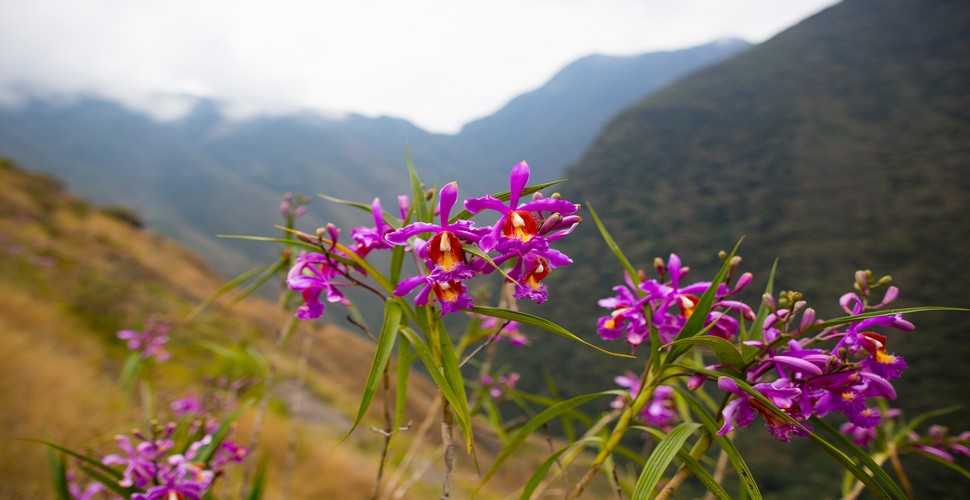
(661, 457)
(385, 344)
(703, 307)
(726, 352)
(610, 242)
(860, 455)
(538, 322)
(745, 477)
(537, 421)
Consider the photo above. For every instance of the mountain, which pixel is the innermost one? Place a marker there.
(840, 144)
(204, 175)
(553, 125)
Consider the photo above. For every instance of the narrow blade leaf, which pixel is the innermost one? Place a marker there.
(538, 322)
(661, 457)
(385, 344)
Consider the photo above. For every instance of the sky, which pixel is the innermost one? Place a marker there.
(436, 63)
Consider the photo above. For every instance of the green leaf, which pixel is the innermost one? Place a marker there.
(418, 203)
(363, 206)
(404, 358)
(538, 322)
(726, 352)
(385, 345)
(661, 457)
(259, 480)
(695, 467)
(444, 385)
(860, 455)
(506, 196)
(58, 474)
(537, 421)
(875, 314)
(111, 476)
(703, 307)
(753, 332)
(452, 373)
(610, 242)
(748, 484)
(224, 289)
(268, 273)
(543, 469)
(293, 243)
(397, 262)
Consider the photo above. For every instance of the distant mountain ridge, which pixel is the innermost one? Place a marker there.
(553, 125)
(203, 175)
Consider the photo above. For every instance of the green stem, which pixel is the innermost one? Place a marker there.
(622, 425)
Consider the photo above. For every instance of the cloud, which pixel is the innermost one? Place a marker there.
(435, 62)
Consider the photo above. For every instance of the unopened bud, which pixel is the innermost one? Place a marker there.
(860, 279)
(550, 223)
(660, 267)
(641, 275)
(536, 196)
(892, 293)
(695, 381)
(722, 255)
(808, 319)
(769, 302)
(743, 281)
(885, 280)
(556, 195)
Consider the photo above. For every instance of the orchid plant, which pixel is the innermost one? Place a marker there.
(714, 364)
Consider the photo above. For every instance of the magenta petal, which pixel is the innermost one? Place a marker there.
(550, 205)
(406, 285)
(518, 178)
(728, 384)
(487, 202)
(798, 364)
(400, 236)
(447, 196)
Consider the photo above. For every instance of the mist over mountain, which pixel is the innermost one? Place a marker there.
(204, 175)
(553, 125)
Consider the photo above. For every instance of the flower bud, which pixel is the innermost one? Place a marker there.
(722, 255)
(892, 293)
(695, 381)
(743, 281)
(660, 267)
(769, 302)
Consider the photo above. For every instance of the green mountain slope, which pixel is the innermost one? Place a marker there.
(840, 144)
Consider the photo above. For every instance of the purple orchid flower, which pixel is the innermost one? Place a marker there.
(740, 411)
(313, 275)
(372, 238)
(151, 341)
(518, 226)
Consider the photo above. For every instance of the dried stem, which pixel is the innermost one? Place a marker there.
(388, 433)
(448, 443)
(412, 451)
(622, 425)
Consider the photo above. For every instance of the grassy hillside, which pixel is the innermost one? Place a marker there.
(73, 274)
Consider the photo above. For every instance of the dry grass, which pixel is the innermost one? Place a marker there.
(70, 276)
